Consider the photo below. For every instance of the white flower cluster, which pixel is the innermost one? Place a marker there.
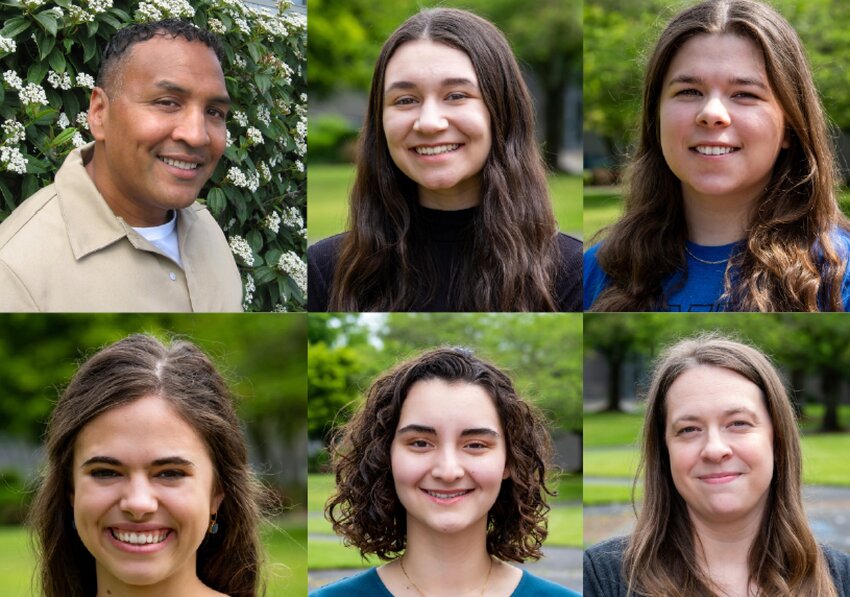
(78, 15)
(238, 178)
(99, 6)
(283, 106)
(264, 171)
(272, 222)
(31, 4)
(229, 141)
(216, 26)
(274, 26)
(255, 136)
(301, 136)
(241, 118)
(242, 249)
(292, 218)
(264, 115)
(299, 165)
(283, 5)
(294, 267)
(7, 44)
(14, 132)
(84, 80)
(243, 25)
(296, 21)
(63, 121)
(33, 94)
(57, 10)
(248, 295)
(240, 61)
(13, 159)
(83, 120)
(59, 80)
(278, 308)
(13, 80)
(158, 9)
(303, 98)
(78, 140)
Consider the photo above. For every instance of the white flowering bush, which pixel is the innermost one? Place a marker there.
(49, 57)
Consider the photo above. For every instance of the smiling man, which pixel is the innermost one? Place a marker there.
(120, 228)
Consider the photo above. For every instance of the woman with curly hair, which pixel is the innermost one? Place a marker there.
(731, 198)
(147, 489)
(722, 511)
(443, 472)
(450, 208)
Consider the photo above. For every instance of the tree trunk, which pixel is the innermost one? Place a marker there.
(830, 388)
(553, 123)
(615, 366)
(798, 391)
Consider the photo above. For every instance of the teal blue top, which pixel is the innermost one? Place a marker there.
(368, 584)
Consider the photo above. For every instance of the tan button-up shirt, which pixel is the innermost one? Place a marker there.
(64, 250)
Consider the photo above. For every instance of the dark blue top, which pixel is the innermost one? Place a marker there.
(701, 288)
(368, 584)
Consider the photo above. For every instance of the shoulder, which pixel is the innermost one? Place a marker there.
(363, 584)
(595, 279)
(321, 263)
(839, 567)
(326, 250)
(540, 587)
(603, 565)
(29, 214)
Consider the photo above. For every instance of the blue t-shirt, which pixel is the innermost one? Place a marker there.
(368, 584)
(701, 288)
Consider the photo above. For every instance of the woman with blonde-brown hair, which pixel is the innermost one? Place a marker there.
(731, 197)
(722, 512)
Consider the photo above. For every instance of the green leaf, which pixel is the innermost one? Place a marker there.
(71, 104)
(7, 195)
(115, 23)
(216, 201)
(92, 28)
(255, 240)
(264, 83)
(89, 48)
(264, 275)
(36, 72)
(45, 44)
(255, 51)
(62, 137)
(47, 19)
(15, 27)
(29, 186)
(57, 61)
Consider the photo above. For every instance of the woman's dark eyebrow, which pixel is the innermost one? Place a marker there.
(694, 80)
(101, 460)
(414, 428)
(480, 431)
(450, 82)
(158, 462)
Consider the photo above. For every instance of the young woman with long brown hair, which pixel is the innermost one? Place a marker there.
(443, 472)
(450, 208)
(730, 202)
(722, 511)
(147, 489)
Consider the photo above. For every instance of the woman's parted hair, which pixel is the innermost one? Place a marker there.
(513, 256)
(789, 262)
(365, 509)
(133, 368)
(661, 557)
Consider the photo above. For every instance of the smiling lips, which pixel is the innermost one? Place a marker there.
(180, 164)
(142, 538)
(436, 149)
(712, 150)
(719, 478)
(447, 497)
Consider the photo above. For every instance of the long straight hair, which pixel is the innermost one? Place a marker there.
(512, 255)
(789, 261)
(661, 556)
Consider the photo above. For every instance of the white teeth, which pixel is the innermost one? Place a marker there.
(447, 496)
(139, 538)
(179, 164)
(713, 150)
(437, 149)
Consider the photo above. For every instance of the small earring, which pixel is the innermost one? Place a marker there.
(213, 524)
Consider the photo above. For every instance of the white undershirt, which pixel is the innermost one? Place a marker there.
(163, 237)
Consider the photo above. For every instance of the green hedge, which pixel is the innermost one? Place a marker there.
(49, 56)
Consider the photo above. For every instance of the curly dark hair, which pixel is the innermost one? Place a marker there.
(116, 50)
(365, 509)
(130, 369)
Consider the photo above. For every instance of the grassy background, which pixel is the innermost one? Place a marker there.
(285, 543)
(611, 451)
(329, 185)
(327, 551)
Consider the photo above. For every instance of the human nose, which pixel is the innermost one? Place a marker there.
(716, 448)
(713, 112)
(192, 129)
(139, 498)
(430, 119)
(447, 466)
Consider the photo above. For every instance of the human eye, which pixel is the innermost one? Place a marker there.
(217, 113)
(688, 92)
(687, 430)
(167, 103)
(104, 473)
(171, 474)
(404, 100)
(419, 444)
(457, 96)
(740, 424)
(477, 445)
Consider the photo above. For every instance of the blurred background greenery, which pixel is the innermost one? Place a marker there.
(345, 39)
(541, 353)
(618, 38)
(263, 356)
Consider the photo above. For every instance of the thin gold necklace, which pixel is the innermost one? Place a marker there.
(705, 261)
(421, 592)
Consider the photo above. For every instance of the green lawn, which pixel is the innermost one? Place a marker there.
(822, 460)
(286, 572)
(611, 429)
(608, 493)
(329, 185)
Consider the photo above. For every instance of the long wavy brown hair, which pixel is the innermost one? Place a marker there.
(512, 256)
(789, 260)
(365, 508)
(182, 374)
(662, 554)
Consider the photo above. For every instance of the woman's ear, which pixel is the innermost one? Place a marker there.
(216, 502)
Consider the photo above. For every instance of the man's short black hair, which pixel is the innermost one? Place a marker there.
(124, 39)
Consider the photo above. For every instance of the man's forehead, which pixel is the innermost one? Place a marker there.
(175, 61)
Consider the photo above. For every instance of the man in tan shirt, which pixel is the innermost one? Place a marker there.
(119, 229)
